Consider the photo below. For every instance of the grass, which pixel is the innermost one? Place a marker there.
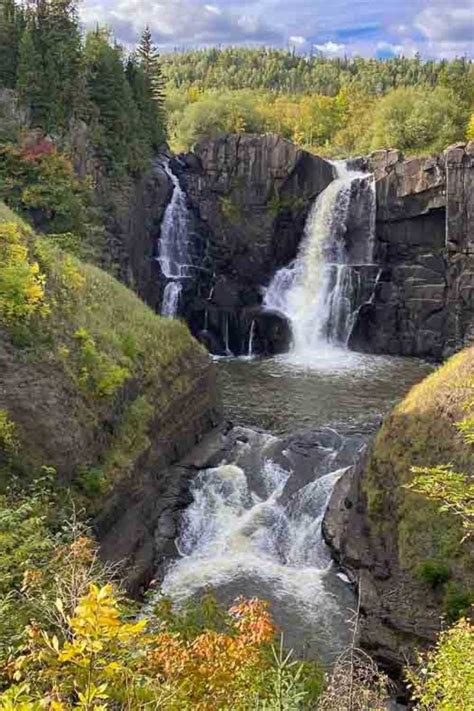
(422, 431)
(124, 364)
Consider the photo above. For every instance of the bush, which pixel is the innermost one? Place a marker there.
(457, 601)
(22, 292)
(433, 572)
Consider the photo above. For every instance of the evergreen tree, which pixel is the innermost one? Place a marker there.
(114, 112)
(30, 74)
(149, 87)
(12, 22)
(49, 71)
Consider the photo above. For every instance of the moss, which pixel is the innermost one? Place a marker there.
(433, 572)
(423, 431)
(119, 364)
(457, 601)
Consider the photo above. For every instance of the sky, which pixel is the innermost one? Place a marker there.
(370, 28)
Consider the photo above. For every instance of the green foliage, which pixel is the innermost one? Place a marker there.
(98, 373)
(457, 601)
(40, 184)
(433, 572)
(49, 64)
(444, 679)
(12, 21)
(418, 119)
(454, 491)
(8, 435)
(337, 107)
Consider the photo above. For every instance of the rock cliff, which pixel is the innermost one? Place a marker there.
(96, 387)
(250, 196)
(422, 304)
(392, 541)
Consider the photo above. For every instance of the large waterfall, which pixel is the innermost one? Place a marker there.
(174, 252)
(316, 292)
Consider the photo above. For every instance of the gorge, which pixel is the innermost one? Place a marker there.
(313, 261)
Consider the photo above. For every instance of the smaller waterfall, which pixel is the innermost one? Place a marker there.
(171, 294)
(316, 291)
(251, 338)
(174, 249)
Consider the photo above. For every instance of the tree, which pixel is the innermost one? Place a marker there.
(49, 68)
(147, 82)
(114, 112)
(11, 28)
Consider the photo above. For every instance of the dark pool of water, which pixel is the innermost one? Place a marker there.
(348, 391)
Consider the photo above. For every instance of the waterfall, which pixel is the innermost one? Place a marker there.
(251, 338)
(242, 532)
(171, 294)
(316, 292)
(174, 253)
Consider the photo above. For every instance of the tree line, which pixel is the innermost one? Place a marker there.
(62, 76)
(336, 107)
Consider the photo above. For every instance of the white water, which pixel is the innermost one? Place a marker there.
(314, 292)
(241, 535)
(174, 254)
(170, 303)
(251, 339)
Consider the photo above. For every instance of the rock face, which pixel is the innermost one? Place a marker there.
(422, 304)
(249, 197)
(384, 535)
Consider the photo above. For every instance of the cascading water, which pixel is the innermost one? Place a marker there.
(316, 291)
(246, 533)
(174, 253)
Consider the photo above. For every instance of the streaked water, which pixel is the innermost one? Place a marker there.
(315, 292)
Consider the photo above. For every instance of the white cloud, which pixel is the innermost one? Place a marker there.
(447, 24)
(449, 31)
(297, 40)
(390, 48)
(331, 48)
(176, 21)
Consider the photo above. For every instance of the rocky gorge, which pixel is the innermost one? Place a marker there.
(248, 200)
(208, 233)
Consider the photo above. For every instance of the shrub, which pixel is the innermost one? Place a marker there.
(8, 437)
(22, 285)
(445, 677)
(433, 572)
(457, 601)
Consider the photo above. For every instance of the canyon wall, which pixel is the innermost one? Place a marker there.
(249, 197)
(423, 302)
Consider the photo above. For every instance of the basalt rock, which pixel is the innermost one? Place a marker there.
(422, 304)
(249, 197)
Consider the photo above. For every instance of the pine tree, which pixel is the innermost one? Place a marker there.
(30, 75)
(12, 22)
(117, 121)
(148, 58)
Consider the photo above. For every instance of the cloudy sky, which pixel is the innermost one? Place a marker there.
(381, 28)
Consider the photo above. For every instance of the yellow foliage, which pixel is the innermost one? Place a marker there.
(470, 129)
(8, 439)
(22, 285)
(216, 669)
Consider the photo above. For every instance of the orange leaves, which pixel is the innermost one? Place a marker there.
(216, 665)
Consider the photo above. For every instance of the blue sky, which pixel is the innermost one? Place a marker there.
(372, 28)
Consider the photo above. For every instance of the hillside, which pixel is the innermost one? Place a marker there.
(92, 381)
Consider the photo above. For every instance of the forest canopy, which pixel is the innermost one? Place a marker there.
(333, 106)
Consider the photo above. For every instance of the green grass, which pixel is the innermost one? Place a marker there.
(422, 431)
(124, 364)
